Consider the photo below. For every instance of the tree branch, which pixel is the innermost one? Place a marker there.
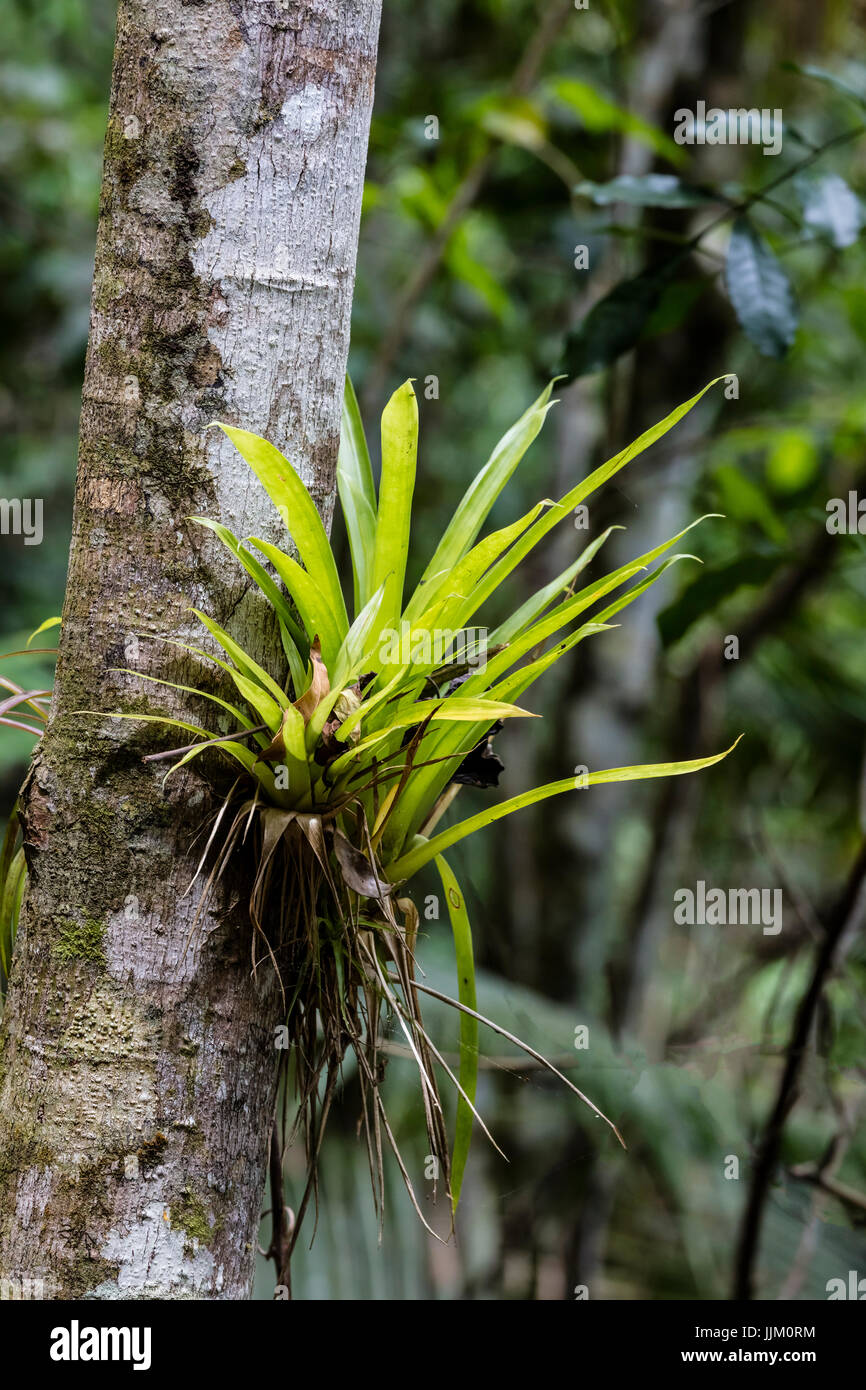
(786, 1096)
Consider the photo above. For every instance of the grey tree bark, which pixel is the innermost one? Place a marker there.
(137, 1077)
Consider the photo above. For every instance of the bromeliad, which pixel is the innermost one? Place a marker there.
(346, 766)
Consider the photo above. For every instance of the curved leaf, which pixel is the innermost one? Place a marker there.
(298, 511)
(357, 495)
(425, 850)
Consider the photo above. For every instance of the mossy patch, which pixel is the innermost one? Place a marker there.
(80, 941)
(124, 156)
(189, 1214)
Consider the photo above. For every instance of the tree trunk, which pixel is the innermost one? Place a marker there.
(137, 1075)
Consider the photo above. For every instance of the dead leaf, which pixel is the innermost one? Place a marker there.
(276, 749)
(329, 748)
(319, 686)
(357, 871)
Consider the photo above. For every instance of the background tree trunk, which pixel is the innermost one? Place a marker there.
(136, 1077)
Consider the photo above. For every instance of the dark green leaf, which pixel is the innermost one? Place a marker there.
(615, 323)
(760, 291)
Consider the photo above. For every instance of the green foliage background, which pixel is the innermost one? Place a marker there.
(572, 904)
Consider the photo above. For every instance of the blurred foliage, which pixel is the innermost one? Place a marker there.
(555, 133)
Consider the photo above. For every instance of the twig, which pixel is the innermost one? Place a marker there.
(771, 1141)
(760, 194)
(282, 1217)
(810, 1172)
(204, 743)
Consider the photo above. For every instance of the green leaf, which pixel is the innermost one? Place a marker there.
(515, 121)
(11, 893)
(357, 495)
(267, 709)
(295, 754)
(371, 703)
(528, 612)
(297, 665)
(760, 291)
(238, 751)
(518, 681)
(571, 608)
(744, 500)
(599, 114)
(411, 809)
(829, 79)
(454, 709)
(248, 761)
(514, 685)
(8, 857)
(299, 514)
(43, 627)
(454, 590)
(258, 572)
(315, 609)
(615, 323)
(468, 242)
(792, 460)
(644, 191)
(399, 455)
(585, 488)
(424, 850)
(468, 1073)
(231, 709)
(355, 649)
(242, 660)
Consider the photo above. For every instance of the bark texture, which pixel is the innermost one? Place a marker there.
(137, 1074)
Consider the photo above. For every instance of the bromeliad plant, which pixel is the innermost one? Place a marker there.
(346, 767)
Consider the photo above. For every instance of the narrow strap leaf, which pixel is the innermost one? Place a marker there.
(397, 484)
(468, 1073)
(255, 568)
(425, 850)
(478, 500)
(43, 627)
(582, 490)
(357, 495)
(244, 662)
(312, 603)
